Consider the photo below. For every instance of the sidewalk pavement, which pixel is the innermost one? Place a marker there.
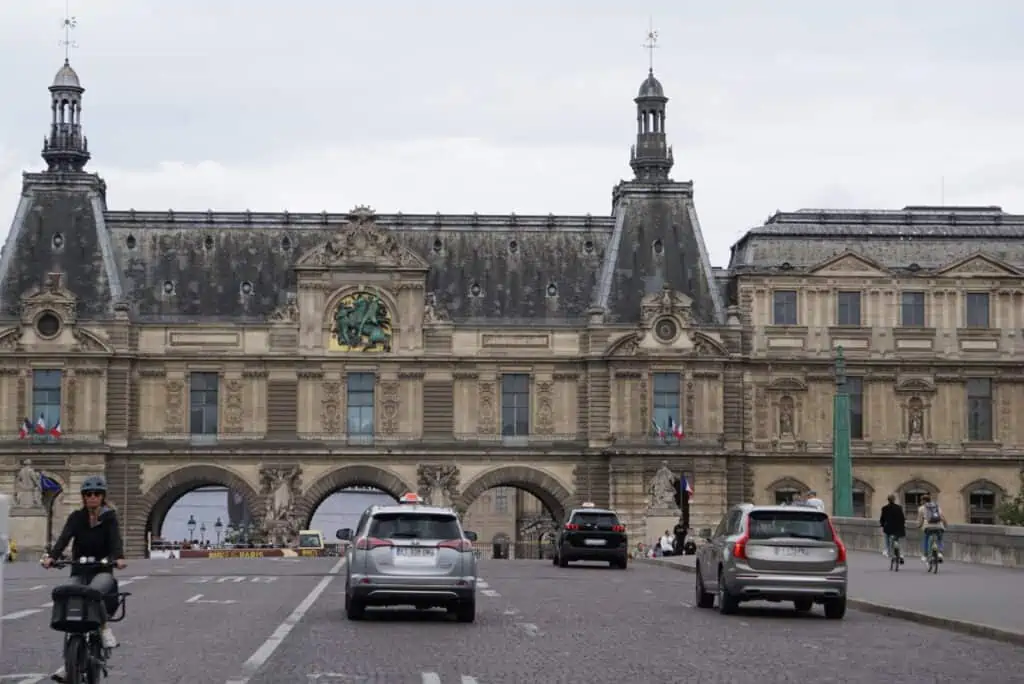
(981, 600)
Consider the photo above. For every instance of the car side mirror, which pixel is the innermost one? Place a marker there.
(471, 536)
(344, 534)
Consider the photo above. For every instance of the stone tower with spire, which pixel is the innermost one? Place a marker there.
(66, 148)
(651, 156)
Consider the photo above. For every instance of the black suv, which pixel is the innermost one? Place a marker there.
(592, 534)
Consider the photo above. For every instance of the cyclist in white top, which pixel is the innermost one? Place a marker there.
(933, 524)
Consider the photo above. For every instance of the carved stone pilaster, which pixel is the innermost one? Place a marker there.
(233, 405)
(330, 407)
(70, 402)
(174, 416)
(691, 404)
(389, 405)
(645, 404)
(545, 408)
(487, 418)
(22, 392)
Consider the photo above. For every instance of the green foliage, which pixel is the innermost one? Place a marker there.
(1012, 512)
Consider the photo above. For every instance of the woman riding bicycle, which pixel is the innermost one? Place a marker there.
(97, 535)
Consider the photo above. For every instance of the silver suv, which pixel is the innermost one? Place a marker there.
(773, 553)
(410, 554)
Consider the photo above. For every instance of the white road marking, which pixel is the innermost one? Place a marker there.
(431, 678)
(466, 679)
(481, 584)
(43, 586)
(20, 614)
(198, 598)
(33, 678)
(490, 592)
(530, 628)
(262, 654)
(690, 605)
(235, 579)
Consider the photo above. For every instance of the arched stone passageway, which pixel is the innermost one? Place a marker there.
(157, 502)
(556, 498)
(343, 478)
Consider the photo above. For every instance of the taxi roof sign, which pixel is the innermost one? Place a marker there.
(588, 504)
(410, 498)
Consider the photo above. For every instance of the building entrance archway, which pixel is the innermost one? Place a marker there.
(344, 478)
(556, 498)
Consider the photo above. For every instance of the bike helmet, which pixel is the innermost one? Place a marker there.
(94, 483)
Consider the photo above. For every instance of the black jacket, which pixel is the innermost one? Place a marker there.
(101, 541)
(893, 521)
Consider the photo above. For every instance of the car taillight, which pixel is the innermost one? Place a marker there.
(618, 528)
(463, 545)
(369, 543)
(840, 546)
(739, 547)
(571, 526)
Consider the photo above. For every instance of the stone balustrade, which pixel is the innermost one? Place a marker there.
(986, 544)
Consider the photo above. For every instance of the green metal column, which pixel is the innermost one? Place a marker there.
(842, 461)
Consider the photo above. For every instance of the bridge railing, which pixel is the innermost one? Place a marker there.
(986, 544)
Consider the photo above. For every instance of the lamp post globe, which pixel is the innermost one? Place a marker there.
(218, 527)
(191, 525)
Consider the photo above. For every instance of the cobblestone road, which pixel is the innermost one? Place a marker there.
(202, 621)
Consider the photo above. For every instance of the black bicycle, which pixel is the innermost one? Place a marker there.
(79, 611)
(896, 558)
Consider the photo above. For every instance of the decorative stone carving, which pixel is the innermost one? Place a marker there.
(52, 296)
(362, 322)
(668, 302)
(174, 416)
(487, 423)
(915, 418)
(87, 342)
(626, 346)
(281, 487)
(545, 408)
(233, 405)
(286, 313)
(361, 242)
(645, 418)
(10, 340)
(330, 407)
(433, 310)
(786, 420)
(71, 403)
(389, 404)
(662, 489)
(438, 484)
(691, 408)
(28, 492)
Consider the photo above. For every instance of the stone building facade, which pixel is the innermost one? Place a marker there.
(287, 356)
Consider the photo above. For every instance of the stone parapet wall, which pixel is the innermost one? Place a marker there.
(986, 544)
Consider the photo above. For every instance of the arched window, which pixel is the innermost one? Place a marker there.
(783, 491)
(982, 499)
(912, 493)
(862, 495)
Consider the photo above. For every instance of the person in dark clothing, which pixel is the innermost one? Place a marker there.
(96, 533)
(893, 523)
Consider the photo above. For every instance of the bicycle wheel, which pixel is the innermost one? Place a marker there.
(94, 669)
(76, 659)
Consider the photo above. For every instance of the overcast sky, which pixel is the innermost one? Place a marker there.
(526, 107)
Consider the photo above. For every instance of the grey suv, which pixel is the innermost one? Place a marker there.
(410, 554)
(773, 553)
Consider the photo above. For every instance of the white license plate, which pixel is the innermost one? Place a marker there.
(790, 551)
(594, 542)
(414, 552)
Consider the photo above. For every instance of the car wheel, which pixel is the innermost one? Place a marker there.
(727, 603)
(354, 608)
(803, 605)
(705, 599)
(835, 609)
(465, 611)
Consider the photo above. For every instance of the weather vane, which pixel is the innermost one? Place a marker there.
(69, 25)
(651, 44)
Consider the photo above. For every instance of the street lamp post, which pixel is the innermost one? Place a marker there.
(191, 525)
(218, 527)
(202, 533)
(842, 461)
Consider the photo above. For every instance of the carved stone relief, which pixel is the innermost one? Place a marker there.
(280, 487)
(389, 404)
(10, 340)
(361, 242)
(665, 303)
(761, 414)
(71, 403)
(691, 404)
(433, 310)
(52, 296)
(438, 483)
(487, 417)
(175, 409)
(644, 403)
(87, 342)
(661, 490)
(545, 408)
(287, 313)
(330, 408)
(233, 405)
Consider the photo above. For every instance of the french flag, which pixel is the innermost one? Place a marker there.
(685, 486)
(675, 429)
(55, 430)
(40, 426)
(26, 428)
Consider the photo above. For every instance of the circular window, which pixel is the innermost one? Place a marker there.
(513, 246)
(130, 242)
(552, 290)
(48, 325)
(246, 288)
(588, 246)
(168, 287)
(208, 242)
(658, 247)
(437, 245)
(475, 290)
(58, 241)
(666, 330)
(286, 244)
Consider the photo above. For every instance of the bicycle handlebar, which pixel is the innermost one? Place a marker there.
(83, 563)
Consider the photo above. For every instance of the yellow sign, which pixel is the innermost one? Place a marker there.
(237, 554)
(362, 323)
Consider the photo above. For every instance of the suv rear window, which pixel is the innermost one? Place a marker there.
(807, 524)
(595, 519)
(414, 526)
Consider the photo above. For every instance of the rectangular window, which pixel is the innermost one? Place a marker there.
(912, 309)
(982, 505)
(848, 308)
(860, 504)
(515, 405)
(784, 307)
(979, 410)
(360, 402)
(203, 403)
(46, 397)
(977, 310)
(666, 400)
(803, 524)
(855, 390)
(501, 500)
(415, 525)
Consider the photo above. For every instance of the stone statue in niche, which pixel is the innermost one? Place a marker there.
(438, 484)
(915, 418)
(28, 492)
(280, 489)
(662, 489)
(786, 416)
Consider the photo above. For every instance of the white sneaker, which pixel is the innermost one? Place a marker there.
(60, 675)
(940, 557)
(885, 554)
(924, 559)
(107, 637)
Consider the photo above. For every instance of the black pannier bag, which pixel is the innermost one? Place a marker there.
(77, 608)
